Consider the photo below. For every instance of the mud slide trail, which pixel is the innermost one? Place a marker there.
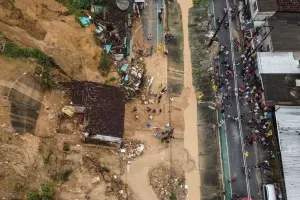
(190, 113)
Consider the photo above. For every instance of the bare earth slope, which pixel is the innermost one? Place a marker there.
(40, 24)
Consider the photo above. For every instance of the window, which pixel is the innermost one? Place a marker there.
(254, 6)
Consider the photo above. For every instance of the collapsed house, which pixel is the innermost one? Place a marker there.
(103, 110)
(113, 27)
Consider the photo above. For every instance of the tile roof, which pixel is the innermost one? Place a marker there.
(267, 5)
(104, 107)
(288, 5)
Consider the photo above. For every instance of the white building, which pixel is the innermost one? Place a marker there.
(288, 128)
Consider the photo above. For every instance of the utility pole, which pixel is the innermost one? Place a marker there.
(218, 29)
(258, 46)
(256, 32)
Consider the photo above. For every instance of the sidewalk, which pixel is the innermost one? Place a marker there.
(224, 155)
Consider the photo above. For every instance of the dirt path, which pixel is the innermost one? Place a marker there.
(138, 179)
(190, 113)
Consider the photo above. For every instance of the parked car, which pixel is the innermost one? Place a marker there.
(269, 192)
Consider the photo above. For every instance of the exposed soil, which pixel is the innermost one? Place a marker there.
(164, 186)
(29, 160)
(40, 24)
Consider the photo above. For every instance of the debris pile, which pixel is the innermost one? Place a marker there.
(116, 187)
(133, 76)
(131, 149)
(166, 186)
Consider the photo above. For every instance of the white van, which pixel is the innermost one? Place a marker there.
(269, 192)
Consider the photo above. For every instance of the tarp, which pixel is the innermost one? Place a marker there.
(68, 110)
(84, 21)
(126, 78)
(99, 29)
(124, 67)
(107, 48)
(96, 9)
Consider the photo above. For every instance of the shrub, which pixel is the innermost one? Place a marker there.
(66, 147)
(19, 187)
(45, 77)
(13, 50)
(112, 79)
(47, 191)
(33, 196)
(105, 63)
(77, 7)
(62, 175)
(172, 196)
(47, 159)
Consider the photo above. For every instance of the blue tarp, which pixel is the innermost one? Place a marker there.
(124, 67)
(126, 78)
(107, 48)
(84, 21)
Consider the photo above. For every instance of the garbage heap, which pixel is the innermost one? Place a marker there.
(133, 76)
(167, 184)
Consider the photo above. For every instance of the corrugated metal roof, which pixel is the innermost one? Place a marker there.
(288, 125)
(277, 63)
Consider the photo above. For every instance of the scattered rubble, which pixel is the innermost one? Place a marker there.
(131, 149)
(167, 183)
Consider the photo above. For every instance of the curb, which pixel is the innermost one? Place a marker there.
(224, 156)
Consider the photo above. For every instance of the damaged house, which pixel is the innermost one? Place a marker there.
(103, 110)
(113, 23)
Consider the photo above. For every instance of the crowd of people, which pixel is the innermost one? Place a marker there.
(255, 115)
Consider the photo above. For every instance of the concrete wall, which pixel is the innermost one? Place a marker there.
(258, 15)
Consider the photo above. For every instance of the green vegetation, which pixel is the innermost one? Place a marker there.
(181, 181)
(15, 51)
(66, 147)
(104, 65)
(200, 3)
(78, 7)
(19, 187)
(43, 72)
(172, 196)
(110, 80)
(33, 196)
(45, 77)
(47, 192)
(62, 175)
(47, 159)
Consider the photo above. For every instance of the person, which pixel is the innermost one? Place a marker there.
(166, 52)
(162, 9)
(134, 109)
(150, 36)
(160, 17)
(136, 117)
(218, 20)
(154, 111)
(233, 179)
(226, 24)
(150, 117)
